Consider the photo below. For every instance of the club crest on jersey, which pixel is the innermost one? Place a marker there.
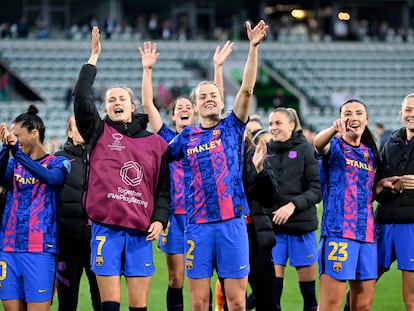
(216, 132)
(99, 261)
(292, 154)
(189, 265)
(337, 266)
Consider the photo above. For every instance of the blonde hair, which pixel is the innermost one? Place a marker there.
(129, 91)
(411, 95)
(193, 94)
(292, 116)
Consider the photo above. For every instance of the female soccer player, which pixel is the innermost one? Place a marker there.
(347, 248)
(28, 234)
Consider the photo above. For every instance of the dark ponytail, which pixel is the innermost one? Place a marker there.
(32, 121)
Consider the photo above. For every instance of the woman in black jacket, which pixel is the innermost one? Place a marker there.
(74, 232)
(395, 194)
(262, 193)
(295, 219)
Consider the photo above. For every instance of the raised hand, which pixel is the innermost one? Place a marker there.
(149, 54)
(260, 155)
(7, 138)
(258, 33)
(4, 132)
(95, 46)
(221, 54)
(340, 126)
(96, 42)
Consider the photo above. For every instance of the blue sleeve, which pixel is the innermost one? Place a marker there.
(4, 169)
(232, 121)
(56, 174)
(166, 133)
(176, 147)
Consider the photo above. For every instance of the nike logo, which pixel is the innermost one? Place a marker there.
(42, 290)
(411, 259)
(309, 256)
(242, 267)
(148, 265)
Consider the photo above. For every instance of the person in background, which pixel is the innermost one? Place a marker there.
(255, 123)
(394, 216)
(295, 219)
(4, 85)
(74, 231)
(53, 144)
(347, 247)
(34, 181)
(163, 96)
(280, 98)
(42, 26)
(262, 192)
(109, 26)
(255, 137)
(220, 300)
(127, 193)
(309, 132)
(172, 241)
(23, 28)
(383, 134)
(258, 135)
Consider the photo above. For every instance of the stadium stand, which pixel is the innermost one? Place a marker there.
(381, 74)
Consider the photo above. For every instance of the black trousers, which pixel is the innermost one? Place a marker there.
(72, 261)
(262, 277)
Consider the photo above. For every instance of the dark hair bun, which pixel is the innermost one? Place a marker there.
(32, 110)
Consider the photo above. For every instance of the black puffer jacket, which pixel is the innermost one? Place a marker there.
(262, 192)
(296, 170)
(397, 159)
(72, 219)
